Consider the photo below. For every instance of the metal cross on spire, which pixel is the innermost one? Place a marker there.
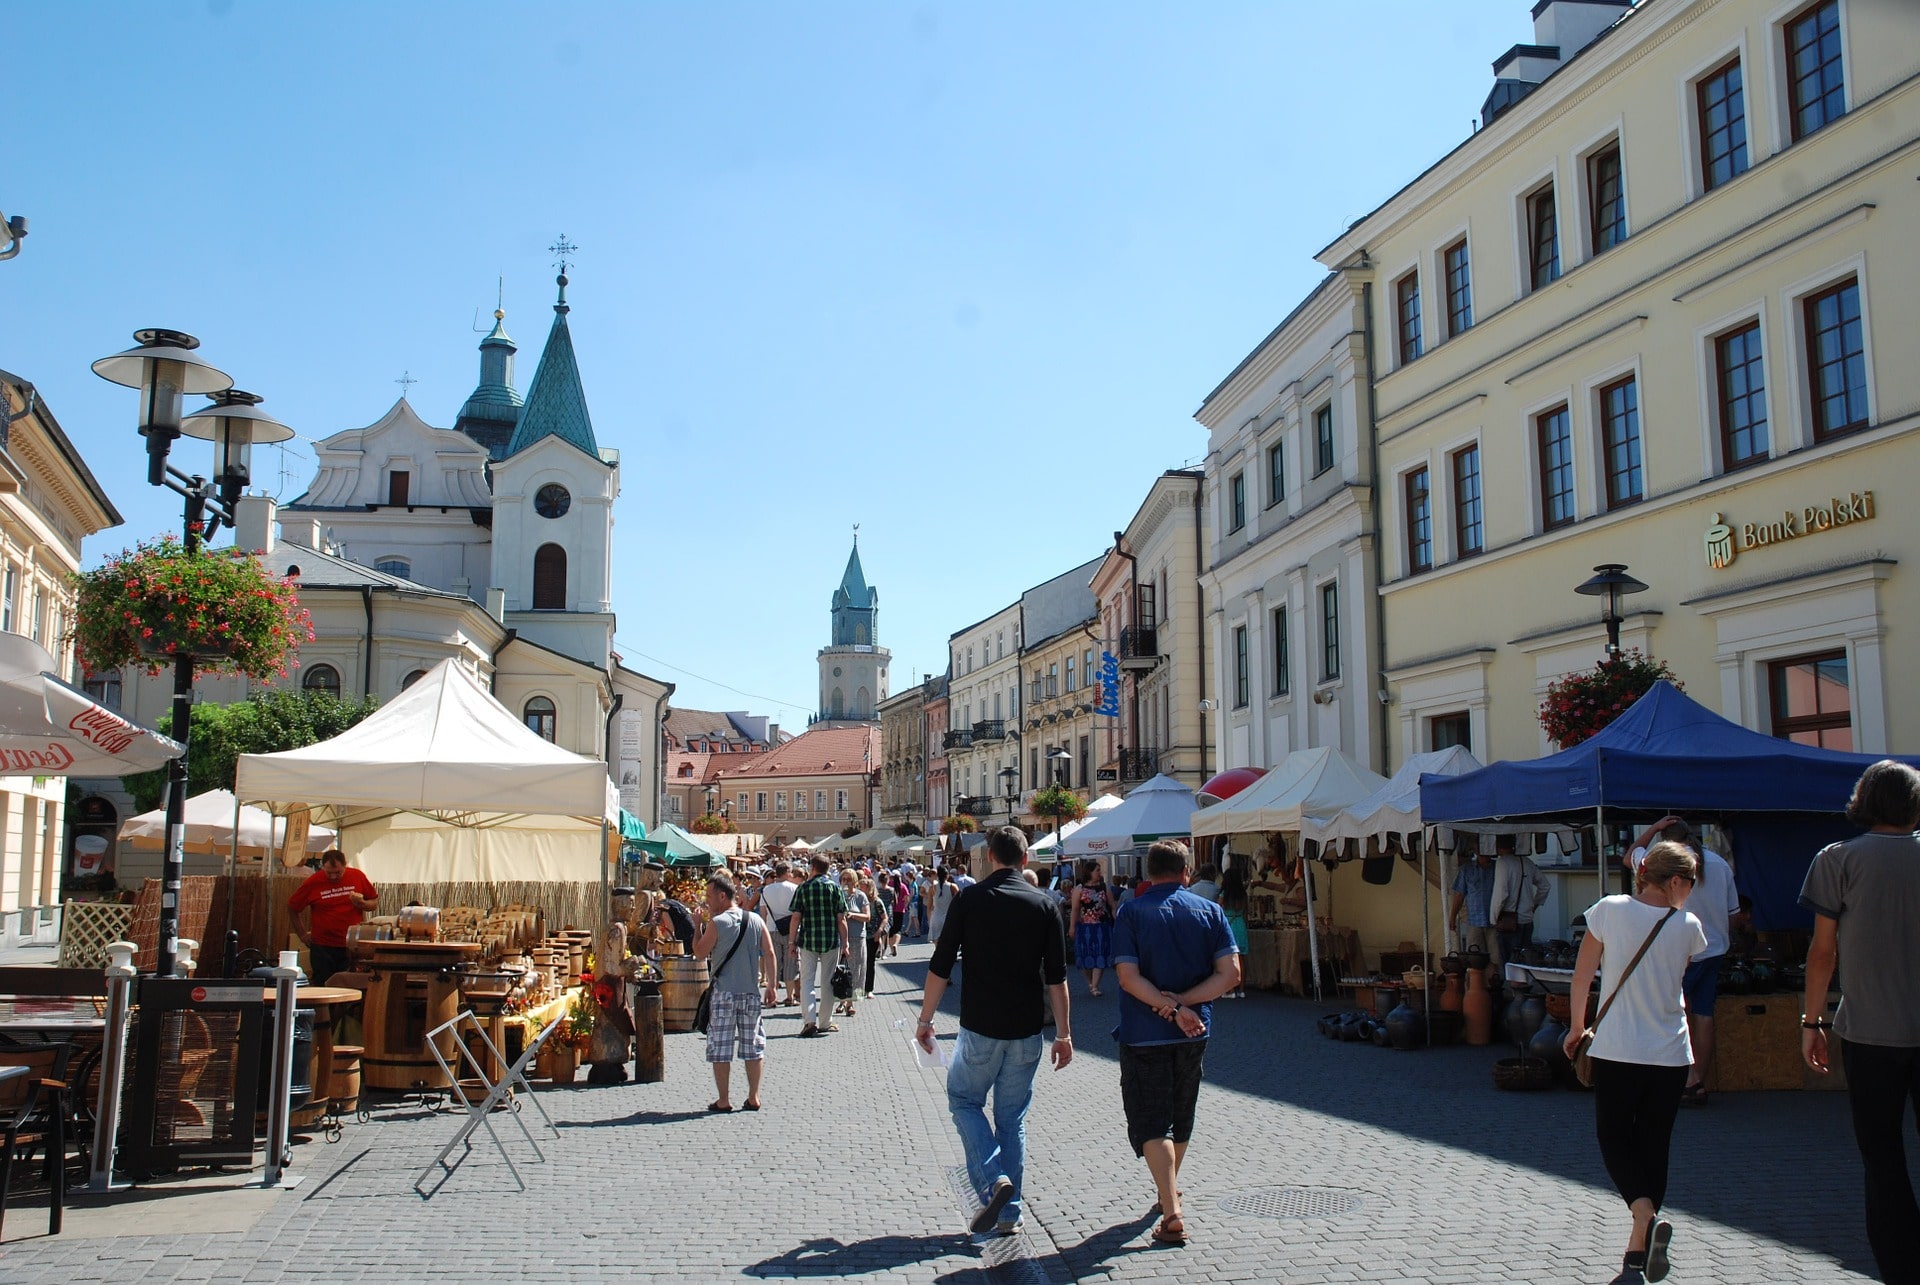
(564, 250)
(406, 382)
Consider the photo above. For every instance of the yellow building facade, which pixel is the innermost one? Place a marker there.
(1659, 312)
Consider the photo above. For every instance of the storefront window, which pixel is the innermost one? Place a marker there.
(1812, 703)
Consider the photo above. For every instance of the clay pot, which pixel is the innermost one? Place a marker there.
(1452, 963)
(1450, 1000)
(1476, 1009)
(1476, 959)
(1406, 1027)
(1548, 1044)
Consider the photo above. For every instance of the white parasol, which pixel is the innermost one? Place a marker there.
(49, 729)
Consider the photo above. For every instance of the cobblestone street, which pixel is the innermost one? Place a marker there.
(1424, 1173)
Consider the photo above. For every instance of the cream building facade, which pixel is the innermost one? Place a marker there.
(1654, 313)
(49, 502)
(1062, 692)
(903, 777)
(1150, 602)
(1292, 558)
(983, 709)
(814, 785)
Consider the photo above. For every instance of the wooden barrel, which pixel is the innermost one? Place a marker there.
(418, 923)
(682, 980)
(401, 1008)
(649, 1045)
(345, 1088)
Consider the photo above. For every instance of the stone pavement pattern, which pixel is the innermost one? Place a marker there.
(850, 1172)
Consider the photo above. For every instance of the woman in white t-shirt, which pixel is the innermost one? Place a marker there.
(1640, 1051)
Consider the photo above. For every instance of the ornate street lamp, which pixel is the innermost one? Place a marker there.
(1611, 581)
(164, 368)
(12, 232)
(1010, 786)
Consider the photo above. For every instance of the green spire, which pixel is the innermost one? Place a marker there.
(853, 585)
(556, 405)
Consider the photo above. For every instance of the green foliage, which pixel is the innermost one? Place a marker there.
(957, 824)
(1581, 704)
(850, 831)
(265, 723)
(908, 830)
(712, 823)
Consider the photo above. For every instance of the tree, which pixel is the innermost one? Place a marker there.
(264, 723)
(851, 830)
(908, 830)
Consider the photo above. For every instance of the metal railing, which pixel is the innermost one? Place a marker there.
(959, 738)
(990, 729)
(1140, 644)
(1138, 764)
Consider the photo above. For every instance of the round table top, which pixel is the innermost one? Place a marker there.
(319, 995)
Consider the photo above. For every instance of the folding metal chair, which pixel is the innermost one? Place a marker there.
(481, 1113)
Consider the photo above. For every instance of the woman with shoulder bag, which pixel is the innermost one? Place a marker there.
(1638, 1042)
(877, 927)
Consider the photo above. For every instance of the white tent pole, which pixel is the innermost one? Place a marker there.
(1426, 939)
(233, 872)
(1313, 935)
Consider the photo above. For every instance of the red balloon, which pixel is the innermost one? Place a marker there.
(1230, 783)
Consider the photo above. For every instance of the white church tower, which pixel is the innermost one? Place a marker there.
(553, 494)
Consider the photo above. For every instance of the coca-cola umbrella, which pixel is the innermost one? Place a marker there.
(49, 729)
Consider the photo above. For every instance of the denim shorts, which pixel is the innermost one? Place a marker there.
(1701, 985)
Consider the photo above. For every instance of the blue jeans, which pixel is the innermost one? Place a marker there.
(1006, 1067)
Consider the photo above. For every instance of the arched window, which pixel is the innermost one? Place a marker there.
(550, 578)
(838, 707)
(321, 678)
(394, 567)
(538, 714)
(412, 678)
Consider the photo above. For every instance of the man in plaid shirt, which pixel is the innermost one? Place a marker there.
(818, 935)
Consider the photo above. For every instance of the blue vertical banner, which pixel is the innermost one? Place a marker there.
(1109, 686)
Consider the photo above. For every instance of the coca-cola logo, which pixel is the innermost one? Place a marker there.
(103, 728)
(54, 758)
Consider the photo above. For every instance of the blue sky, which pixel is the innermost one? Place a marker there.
(958, 272)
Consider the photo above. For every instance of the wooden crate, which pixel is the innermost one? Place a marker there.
(1757, 1043)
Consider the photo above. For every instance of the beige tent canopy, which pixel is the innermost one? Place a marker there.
(445, 785)
(210, 828)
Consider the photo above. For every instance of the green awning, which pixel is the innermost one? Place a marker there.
(632, 828)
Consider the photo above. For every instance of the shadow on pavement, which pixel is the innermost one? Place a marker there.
(637, 1117)
(826, 1256)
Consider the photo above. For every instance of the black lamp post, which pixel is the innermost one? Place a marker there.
(1010, 786)
(1059, 756)
(164, 368)
(1611, 581)
(712, 794)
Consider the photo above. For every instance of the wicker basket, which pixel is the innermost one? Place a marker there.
(1522, 1073)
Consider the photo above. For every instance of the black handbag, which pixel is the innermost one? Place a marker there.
(842, 982)
(703, 1011)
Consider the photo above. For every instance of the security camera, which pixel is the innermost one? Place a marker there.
(1207, 707)
(1386, 697)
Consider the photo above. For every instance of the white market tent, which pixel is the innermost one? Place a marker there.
(867, 842)
(1308, 783)
(210, 828)
(445, 785)
(1394, 808)
(1157, 809)
(1044, 844)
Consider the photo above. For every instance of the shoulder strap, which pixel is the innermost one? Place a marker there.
(1631, 965)
(745, 916)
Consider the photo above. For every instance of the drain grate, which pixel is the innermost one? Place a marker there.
(1296, 1202)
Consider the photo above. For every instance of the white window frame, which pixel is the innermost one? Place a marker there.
(1565, 395)
(1404, 545)
(1614, 135)
(1706, 352)
(1792, 299)
(1517, 199)
(1437, 266)
(1594, 447)
(1779, 99)
(1695, 176)
(1409, 268)
(1446, 452)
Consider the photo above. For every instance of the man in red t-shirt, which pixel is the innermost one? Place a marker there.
(332, 900)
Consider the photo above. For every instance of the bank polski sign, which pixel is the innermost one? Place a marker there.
(1724, 541)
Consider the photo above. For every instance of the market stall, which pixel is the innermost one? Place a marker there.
(444, 798)
(1307, 783)
(1160, 808)
(1777, 800)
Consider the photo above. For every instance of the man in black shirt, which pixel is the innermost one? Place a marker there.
(1009, 933)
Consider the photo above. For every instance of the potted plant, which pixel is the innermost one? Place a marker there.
(1058, 802)
(713, 823)
(1581, 704)
(156, 601)
(957, 824)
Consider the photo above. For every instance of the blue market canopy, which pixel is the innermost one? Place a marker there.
(1666, 752)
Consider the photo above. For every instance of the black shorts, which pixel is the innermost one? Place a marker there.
(1159, 1085)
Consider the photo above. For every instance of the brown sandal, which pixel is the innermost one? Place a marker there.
(1156, 1211)
(1171, 1231)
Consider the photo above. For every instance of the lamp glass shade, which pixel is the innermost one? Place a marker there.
(134, 368)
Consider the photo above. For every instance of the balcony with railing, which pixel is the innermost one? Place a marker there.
(959, 738)
(976, 805)
(1140, 647)
(989, 729)
(1138, 764)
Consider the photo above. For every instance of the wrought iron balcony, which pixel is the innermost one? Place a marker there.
(1140, 647)
(976, 805)
(1139, 764)
(989, 729)
(960, 738)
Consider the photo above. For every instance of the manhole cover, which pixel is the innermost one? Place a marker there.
(1295, 1202)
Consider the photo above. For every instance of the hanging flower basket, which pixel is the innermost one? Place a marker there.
(1059, 802)
(1579, 705)
(957, 824)
(156, 602)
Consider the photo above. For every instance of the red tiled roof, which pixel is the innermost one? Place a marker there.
(826, 751)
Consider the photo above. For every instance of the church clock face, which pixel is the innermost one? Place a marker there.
(552, 500)
(836, 671)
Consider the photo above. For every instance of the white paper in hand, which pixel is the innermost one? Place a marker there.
(939, 1060)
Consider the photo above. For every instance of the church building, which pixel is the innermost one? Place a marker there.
(853, 667)
(490, 542)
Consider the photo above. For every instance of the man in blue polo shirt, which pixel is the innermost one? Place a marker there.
(1175, 955)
